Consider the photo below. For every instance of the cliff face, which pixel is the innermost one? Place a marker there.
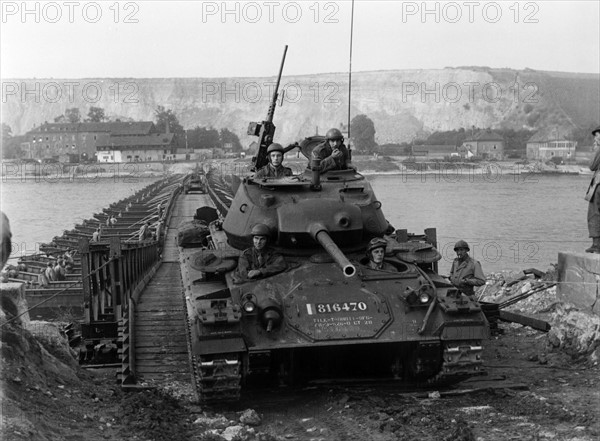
(402, 104)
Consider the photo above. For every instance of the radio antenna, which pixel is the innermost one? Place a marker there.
(350, 79)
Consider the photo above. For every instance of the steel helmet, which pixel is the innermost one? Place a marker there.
(260, 230)
(375, 243)
(334, 134)
(461, 244)
(596, 130)
(275, 148)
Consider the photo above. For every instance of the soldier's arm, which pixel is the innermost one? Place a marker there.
(243, 265)
(275, 264)
(477, 278)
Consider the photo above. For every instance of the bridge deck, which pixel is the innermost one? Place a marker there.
(160, 323)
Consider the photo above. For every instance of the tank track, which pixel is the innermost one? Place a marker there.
(461, 360)
(218, 378)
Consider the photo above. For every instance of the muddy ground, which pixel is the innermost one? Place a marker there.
(531, 393)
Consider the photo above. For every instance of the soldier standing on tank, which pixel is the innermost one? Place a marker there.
(332, 152)
(593, 197)
(260, 260)
(376, 253)
(466, 272)
(275, 168)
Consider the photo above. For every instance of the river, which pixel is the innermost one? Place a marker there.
(511, 222)
(40, 208)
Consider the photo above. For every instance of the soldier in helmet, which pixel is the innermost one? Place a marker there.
(466, 272)
(593, 197)
(275, 168)
(260, 260)
(332, 152)
(376, 253)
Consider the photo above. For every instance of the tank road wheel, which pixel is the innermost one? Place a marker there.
(219, 377)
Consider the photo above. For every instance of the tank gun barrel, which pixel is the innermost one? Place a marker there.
(321, 235)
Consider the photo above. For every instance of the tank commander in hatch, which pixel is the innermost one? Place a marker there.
(466, 272)
(593, 197)
(376, 253)
(275, 168)
(260, 260)
(332, 152)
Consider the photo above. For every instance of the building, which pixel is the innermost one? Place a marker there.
(82, 139)
(430, 152)
(551, 142)
(146, 148)
(485, 144)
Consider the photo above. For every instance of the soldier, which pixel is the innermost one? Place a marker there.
(145, 232)
(260, 260)
(466, 272)
(593, 197)
(376, 253)
(332, 152)
(275, 168)
(50, 274)
(59, 270)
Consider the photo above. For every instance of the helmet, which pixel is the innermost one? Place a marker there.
(375, 243)
(275, 148)
(260, 230)
(461, 244)
(596, 130)
(334, 134)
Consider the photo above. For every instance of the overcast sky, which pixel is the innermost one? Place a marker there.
(141, 39)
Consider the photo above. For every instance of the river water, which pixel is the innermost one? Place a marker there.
(511, 221)
(40, 208)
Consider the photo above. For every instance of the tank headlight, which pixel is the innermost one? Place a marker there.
(424, 298)
(249, 306)
(249, 303)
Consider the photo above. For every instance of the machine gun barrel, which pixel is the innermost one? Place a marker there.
(266, 130)
(321, 235)
(271, 111)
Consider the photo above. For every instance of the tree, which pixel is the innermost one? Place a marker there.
(11, 145)
(363, 134)
(166, 117)
(73, 115)
(228, 137)
(96, 114)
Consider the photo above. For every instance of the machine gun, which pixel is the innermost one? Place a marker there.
(266, 130)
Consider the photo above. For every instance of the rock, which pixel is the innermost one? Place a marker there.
(250, 417)
(577, 332)
(212, 422)
(232, 432)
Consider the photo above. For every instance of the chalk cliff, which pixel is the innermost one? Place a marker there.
(403, 104)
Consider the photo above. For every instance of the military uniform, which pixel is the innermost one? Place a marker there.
(593, 197)
(323, 152)
(268, 171)
(268, 262)
(384, 266)
(466, 274)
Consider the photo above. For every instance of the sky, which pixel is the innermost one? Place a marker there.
(160, 39)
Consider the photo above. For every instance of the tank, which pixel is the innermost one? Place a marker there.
(195, 181)
(328, 314)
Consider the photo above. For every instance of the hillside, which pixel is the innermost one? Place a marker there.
(403, 104)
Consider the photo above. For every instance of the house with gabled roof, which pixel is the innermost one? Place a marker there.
(551, 142)
(138, 148)
(56, 139)
(485, 144)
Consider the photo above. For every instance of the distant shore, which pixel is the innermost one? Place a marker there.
(366, 165)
